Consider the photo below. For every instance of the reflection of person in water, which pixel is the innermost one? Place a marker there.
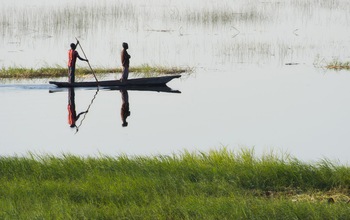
(72, 114)
(125, 111)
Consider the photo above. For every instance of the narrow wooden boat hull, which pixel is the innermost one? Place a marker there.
(164, 89)
(151, 81)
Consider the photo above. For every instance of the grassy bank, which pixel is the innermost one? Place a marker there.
(215, 185)
(51, 72)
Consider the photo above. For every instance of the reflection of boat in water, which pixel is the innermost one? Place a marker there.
(73, 117)
(136, 82)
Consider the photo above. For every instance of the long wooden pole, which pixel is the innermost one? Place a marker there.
(87, 61)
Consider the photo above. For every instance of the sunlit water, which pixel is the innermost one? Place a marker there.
(241, 93)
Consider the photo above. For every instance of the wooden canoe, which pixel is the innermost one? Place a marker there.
(164, 89)
(151, 81)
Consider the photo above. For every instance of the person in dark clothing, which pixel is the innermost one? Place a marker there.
(125, 59)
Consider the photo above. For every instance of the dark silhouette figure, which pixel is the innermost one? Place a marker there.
(125, 59)
(125, 111)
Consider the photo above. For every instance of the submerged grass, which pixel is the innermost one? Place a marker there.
(216, 185)
(58, 71)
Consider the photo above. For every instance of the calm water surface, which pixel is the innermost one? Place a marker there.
(241, 94)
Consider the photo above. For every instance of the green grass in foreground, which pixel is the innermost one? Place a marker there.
(48, 72)
(215, 185)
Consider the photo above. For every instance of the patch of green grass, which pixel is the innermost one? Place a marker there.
(219, 184)
(337, 65)
(147, 69)
(51, 72)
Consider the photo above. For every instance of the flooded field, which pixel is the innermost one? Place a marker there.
(258, 77)
(195, 33)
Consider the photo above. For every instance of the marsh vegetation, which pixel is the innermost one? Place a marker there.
(338, 65)
(217, 184)
(50, 72)
(259, 102)
(177, 33)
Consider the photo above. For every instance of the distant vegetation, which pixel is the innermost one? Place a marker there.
(215, 185)
(58, 71)
(337, 65)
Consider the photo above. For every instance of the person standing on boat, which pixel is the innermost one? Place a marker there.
(125, 58)
(72, 58)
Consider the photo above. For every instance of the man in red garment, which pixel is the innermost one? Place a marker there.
(72, 58)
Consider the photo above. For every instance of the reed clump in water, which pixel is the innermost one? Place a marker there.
(337, 65)
(216, 185)
(51, 72)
